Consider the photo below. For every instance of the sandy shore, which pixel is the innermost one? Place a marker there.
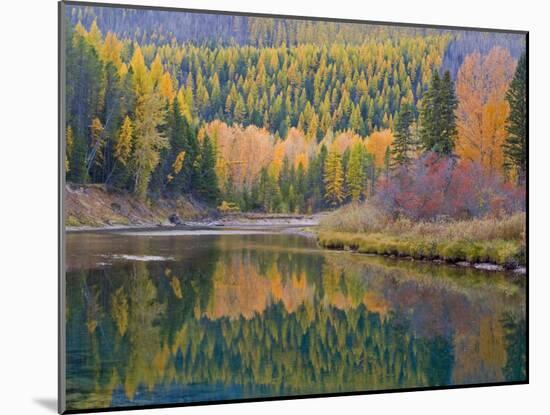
(295, 224)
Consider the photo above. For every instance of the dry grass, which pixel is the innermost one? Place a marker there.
(363, 218)
(367, 229)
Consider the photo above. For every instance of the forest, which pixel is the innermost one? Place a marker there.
(281, 115)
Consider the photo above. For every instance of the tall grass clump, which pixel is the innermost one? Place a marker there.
(367, 228)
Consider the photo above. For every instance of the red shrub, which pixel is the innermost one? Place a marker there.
(435, 186)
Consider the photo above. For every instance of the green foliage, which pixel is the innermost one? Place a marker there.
(438, 130)
(514, 338)
(404, 142)
(515, 145)
(355, 172)
(269, 195)
(205, 179)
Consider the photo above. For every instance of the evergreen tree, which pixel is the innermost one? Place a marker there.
(77, 161)
(437, 117)
(206, 183)
(300, 185)
(179, 134)
(403, 143)
(268, 192)
(285, 179)
(387, 161)
(515, 145)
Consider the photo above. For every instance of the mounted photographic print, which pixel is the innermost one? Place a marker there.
(258, 207)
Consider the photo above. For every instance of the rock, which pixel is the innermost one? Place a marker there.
(488, 267)
(175, 219)
(116, 207)
(463, 264)
(520, 270)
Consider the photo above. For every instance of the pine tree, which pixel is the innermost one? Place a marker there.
(437, 117)
(334, 179)
(449, 130)
(285, 178)
(268, 192)
(387, 161)
(206, 183)
(239, 114)
(356, 123)
(179, 135)
(515, 145)
(403, 143)
(77, 161)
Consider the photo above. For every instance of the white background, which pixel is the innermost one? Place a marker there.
(28, 204)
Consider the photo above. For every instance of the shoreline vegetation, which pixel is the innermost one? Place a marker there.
(491, 244)
(499, 241)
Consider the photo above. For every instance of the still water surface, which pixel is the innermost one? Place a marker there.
(159, 318)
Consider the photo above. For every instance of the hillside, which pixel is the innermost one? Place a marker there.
(95, 206)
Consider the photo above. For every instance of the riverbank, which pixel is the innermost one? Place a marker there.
(492, 243)
(94, 207)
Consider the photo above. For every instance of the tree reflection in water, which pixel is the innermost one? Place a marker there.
(240, 321)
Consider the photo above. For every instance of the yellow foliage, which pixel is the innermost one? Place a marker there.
(482, 110)
(119, 307)
(140, 73)
(377, 143)
(123, 145)
(156, 71)
(344, 140)
(184, 107)
(69, 143)
(166, 87)
(122, 70)
(110, 50)
(176, 287)
(227, 207)
(241, 153)
(178, 162)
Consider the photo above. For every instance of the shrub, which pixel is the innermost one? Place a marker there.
(432, 187)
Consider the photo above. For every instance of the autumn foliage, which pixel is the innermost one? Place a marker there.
(482, 109)
(436, 186)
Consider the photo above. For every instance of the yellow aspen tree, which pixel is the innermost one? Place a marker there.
(482, 110)
(377, 143)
